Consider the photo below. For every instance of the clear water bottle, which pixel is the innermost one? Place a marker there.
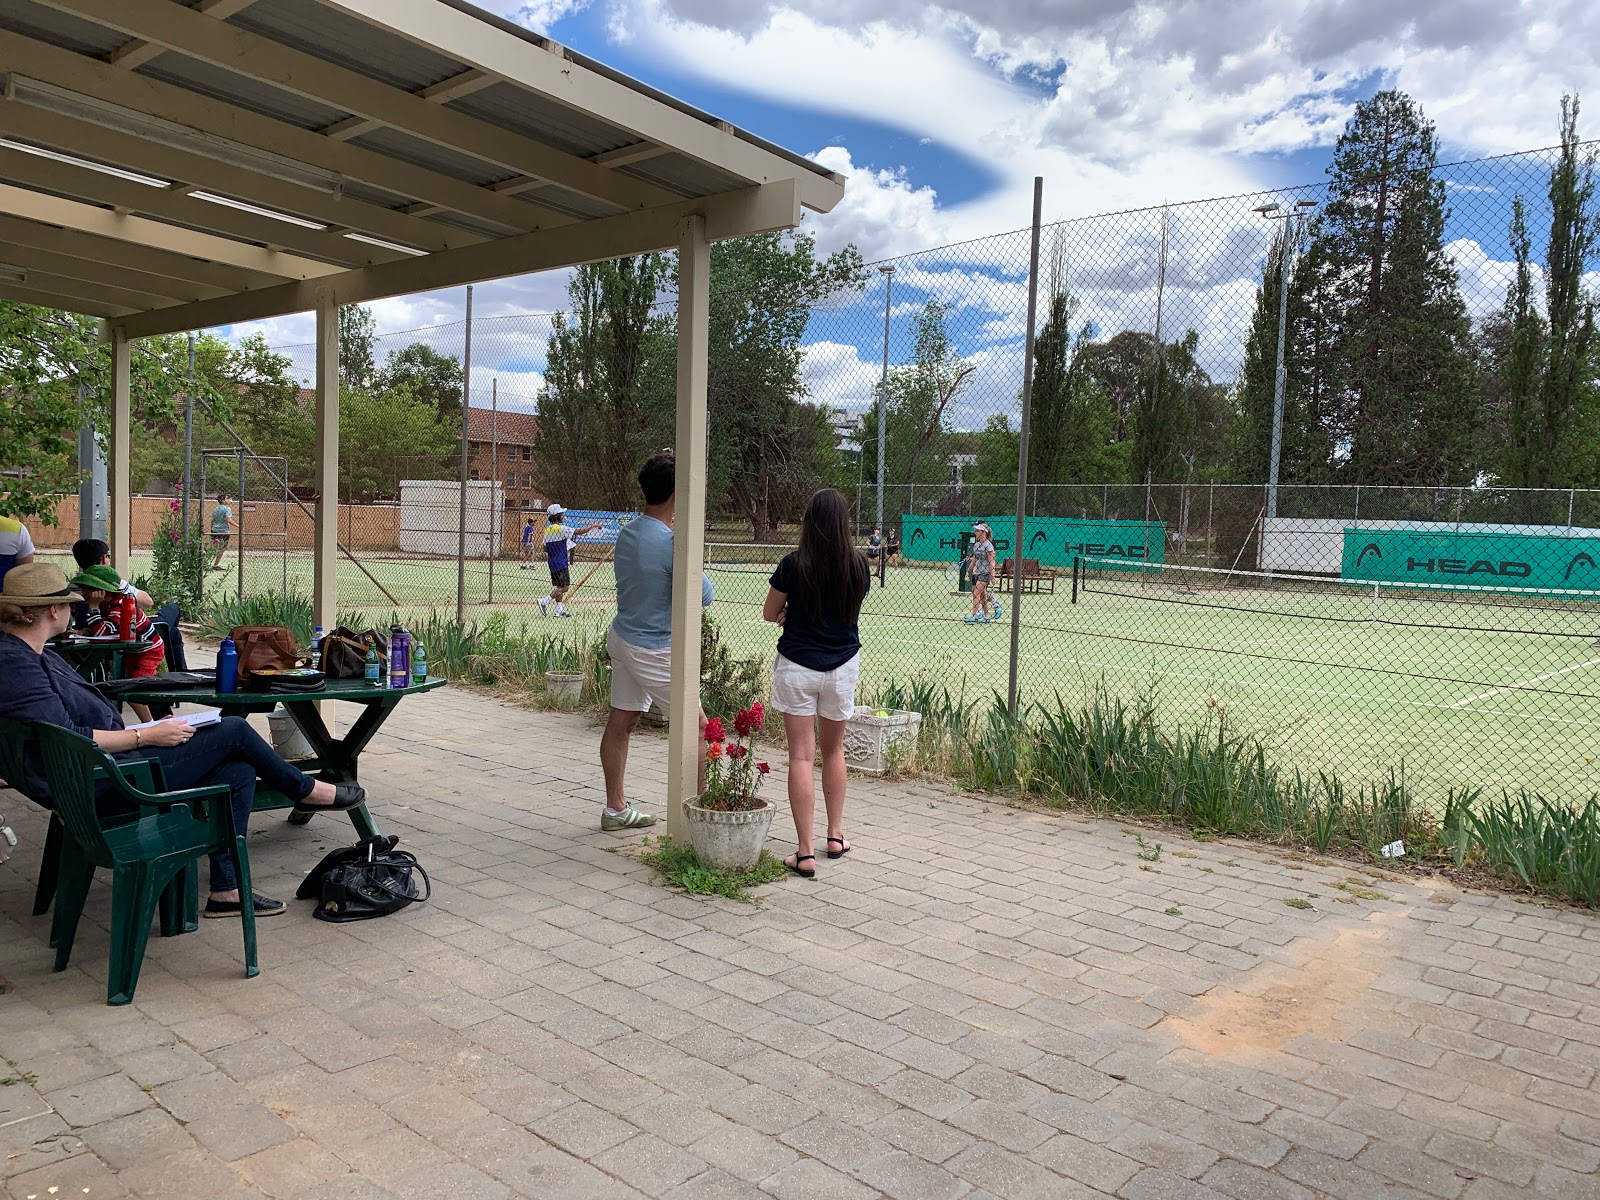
(419, 664)
(374, 668)
(399, 657)
(316, 647)
(227, 666)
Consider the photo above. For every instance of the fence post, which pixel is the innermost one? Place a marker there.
(1022, 450)
(466, 422)
(238, 558)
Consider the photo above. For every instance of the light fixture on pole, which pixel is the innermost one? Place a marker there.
(1291, 235)
(883, 385)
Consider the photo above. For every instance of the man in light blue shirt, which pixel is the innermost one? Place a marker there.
(640, 638)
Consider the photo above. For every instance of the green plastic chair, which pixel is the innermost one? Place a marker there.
(180, 912)
(145, 855)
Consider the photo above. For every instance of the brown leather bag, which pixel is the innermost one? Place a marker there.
(344, 653)
(264, 648)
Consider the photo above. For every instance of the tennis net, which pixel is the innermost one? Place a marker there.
(1554, 612)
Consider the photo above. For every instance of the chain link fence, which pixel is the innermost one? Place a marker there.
(1232, 400)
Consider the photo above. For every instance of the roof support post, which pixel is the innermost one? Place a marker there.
(121, 450)
(684, 757)
(325, 473)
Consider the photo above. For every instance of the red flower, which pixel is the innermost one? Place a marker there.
(714, 731)
(741, 724)
(737, 751)
(758, 715)
(763, 768)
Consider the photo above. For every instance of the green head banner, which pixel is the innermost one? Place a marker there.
(1449, 557)
(1054, 541)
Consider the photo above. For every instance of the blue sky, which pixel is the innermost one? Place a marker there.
(940, 115)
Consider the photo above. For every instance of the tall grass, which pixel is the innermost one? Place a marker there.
(1115, 754)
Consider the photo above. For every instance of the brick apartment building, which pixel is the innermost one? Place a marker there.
(515, 433)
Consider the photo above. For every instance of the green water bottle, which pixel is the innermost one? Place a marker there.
(419, 665)
(374, 668)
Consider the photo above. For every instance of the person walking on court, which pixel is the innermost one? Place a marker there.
(558, 547)
(980, 571)
(222, 525)
(527, 546)
(640, 638)
(816, 594)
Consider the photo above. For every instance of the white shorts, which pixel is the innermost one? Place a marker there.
(801, 692)
(640, 678)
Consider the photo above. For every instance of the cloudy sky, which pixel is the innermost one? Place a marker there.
(941, 115)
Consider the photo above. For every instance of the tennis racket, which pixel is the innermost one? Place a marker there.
(952, 572)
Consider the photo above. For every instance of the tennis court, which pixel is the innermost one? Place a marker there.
(1464, 689)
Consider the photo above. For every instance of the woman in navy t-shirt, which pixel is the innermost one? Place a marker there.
(816, 595)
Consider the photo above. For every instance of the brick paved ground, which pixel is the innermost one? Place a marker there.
(977, 1002)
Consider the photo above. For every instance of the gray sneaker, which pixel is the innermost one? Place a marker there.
(629, 818)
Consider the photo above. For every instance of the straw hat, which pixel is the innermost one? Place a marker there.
(36, 584)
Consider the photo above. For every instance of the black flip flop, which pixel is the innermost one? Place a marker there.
(832, 853)
(798, 869)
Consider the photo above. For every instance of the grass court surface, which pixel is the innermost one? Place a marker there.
(1476, 691)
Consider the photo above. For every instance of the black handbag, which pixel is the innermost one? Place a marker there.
(287, 683)
(368, 879)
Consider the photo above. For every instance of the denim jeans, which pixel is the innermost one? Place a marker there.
(233, 754)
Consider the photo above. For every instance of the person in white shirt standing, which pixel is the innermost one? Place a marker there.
(16, 547)
(558, 547)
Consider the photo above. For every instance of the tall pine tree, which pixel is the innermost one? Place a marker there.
(1404, 404)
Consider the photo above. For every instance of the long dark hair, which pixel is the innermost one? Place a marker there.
(833, 574)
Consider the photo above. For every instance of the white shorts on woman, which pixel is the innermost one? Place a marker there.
(801, 692)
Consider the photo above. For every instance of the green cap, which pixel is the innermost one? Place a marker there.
(98, 576)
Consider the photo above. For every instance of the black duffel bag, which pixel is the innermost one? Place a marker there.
(368, 879)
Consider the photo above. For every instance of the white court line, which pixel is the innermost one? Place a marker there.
(1524, 683)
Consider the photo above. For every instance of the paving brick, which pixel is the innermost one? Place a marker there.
(898, 1175)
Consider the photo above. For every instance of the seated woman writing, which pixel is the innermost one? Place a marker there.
(35, 606)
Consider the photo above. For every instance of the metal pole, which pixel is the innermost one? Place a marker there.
(883, 385)
(1279, 376)
(461, 525)
(496, 517)
(188, 443)
(1018, 544)
(238, 557)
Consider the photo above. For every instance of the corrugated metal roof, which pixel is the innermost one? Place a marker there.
(528, 113)
(397, 143)
(334, 37)
(62, 29)
(222, 84)
(679, 174)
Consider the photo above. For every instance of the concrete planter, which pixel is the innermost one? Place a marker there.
(565, 686)
(287, 739)
(727, 841)
(870, 741)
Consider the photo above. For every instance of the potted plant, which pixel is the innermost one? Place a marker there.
(729, 821)
(876, 738)
(564, 676)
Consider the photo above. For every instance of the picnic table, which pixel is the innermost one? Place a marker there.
(97, 659)
(333, 759)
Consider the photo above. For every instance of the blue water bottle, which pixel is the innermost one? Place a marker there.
(227, 667)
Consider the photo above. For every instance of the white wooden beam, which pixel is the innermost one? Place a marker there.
(142, 231)
(470, 40)
(213, 278)
(72, 291)
(689, 522)
(443, 92)
(168, 102)
(85, 183)
(138, 52)
(197, 172)
(730, 214)
(622, 156)
(249, 54)
(23, 294)
(169, 289)
(325, 473)
(121, 497)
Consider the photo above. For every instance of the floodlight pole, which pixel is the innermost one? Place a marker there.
(1018, 544)
(883, 385)
(1291, 234)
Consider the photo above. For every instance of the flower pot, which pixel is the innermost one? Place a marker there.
(871, 741)
(727, 841)
(287, 739)
(565, 686)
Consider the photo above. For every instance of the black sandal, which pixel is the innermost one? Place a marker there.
(832, 853)
(798, 869)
